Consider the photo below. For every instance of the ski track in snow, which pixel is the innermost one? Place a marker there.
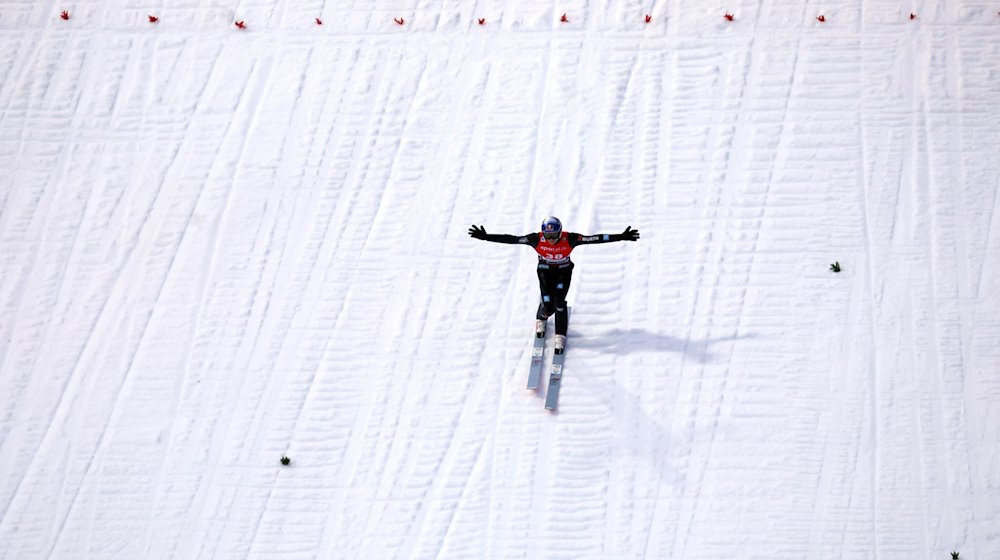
(221, 247)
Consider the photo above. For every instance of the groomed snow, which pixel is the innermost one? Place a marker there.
(220, 246)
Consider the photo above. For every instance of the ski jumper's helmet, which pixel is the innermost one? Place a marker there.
(552, 225)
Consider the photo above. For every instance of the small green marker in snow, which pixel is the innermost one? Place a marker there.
(285, 460)
(835, 266)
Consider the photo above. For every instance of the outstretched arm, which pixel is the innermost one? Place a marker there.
(628, 235)
(479, 232)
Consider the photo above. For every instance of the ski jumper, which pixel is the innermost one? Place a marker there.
(555, 269)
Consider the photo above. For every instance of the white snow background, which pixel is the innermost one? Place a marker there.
(222, 246)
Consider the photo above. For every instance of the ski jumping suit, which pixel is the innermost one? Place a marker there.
(555, 269)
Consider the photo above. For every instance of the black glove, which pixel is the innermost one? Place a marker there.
(630, 234)
(479, 232)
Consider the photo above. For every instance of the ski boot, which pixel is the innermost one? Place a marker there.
(560, 343)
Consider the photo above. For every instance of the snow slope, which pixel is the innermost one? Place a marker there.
(221, 246)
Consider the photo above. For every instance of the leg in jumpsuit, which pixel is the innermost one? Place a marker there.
(554, 284)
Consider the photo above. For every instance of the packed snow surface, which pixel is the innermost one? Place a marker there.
(222, 246)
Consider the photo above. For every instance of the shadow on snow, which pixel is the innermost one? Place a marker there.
(618, 341)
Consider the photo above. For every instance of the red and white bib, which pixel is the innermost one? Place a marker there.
(554, 253)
